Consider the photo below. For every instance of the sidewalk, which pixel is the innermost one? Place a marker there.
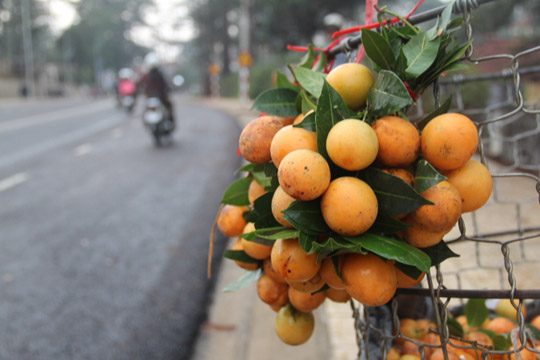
(241, 327)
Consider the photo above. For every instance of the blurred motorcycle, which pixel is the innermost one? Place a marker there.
(157, 120)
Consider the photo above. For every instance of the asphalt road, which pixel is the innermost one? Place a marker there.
(103, 237)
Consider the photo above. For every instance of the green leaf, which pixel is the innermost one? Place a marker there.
(274, 233)
(330, 109)
(306, 216)
(394, 195)
(262, 212)
(308, 123)
(500, 342)
(388, 95)
(393, 249)
(246, 168)
(279, 102)
(283, 82)
(404, 32)
(378, 49)
(446, 16)
(246, 279)
(439, 252)
(306, 241)
(311, 81)
(443, 109)
(455, 327)
(535, 331)
(420, 54)
(307, 103)
(330, 245)
(308, 59)
(237, 192)
(239, 255)
(385, 224)
(426, 176)
(266, 176)
(409, 270)
(321, 63)
(476, 312)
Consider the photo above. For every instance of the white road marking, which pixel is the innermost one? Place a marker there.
(83, 149)
(12, 181)
(68, 138)
(57, 115)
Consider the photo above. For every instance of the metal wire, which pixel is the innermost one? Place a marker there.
(509, 130)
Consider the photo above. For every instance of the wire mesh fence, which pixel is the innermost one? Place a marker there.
(498, 244)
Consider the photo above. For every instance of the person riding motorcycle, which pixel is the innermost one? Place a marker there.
(153, 84)
(127, 85)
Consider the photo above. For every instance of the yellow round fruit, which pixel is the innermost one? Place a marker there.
(281, 201)
(292, 262)
(399, 141)
(369, 279)
(231, 220)
(291, 138)
(352, 144)
(254, 191)
(474, 183)
(294, 328)
(449, 140)
(256, 137)
(349, 206)
(304, 174)
(254, 249)
(352, 81)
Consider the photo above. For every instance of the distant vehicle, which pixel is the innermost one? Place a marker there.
(157, 119)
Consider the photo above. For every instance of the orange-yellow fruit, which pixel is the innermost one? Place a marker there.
(417, 236)
(314, 284)
(254, 191)
(409, 357)
(305, 302)
(352, 81)
(244, 265)
(329, 275)
(270, 271)
(481, 339)
(411, 329)
(474, 183)
(256, 137)
(405, 281)
(369, 279)
(286, 120)
(505, 308)
(281, 201)
(500, 325)
(438, 355)
(349, 206)
(336, 295)
(253, 249)
(448, 141)
(352, 144)
(294, 328)
(304, 174)
(445, 211)
(292, 262)
(399, 141)
(231, 221)
(393, 354)
(291, 138)
(272, 292)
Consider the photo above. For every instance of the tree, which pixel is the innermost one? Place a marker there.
(101, 38)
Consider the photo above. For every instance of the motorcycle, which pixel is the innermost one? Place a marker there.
(157, 120)
(128, 103)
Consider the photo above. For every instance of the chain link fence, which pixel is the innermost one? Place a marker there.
(498, 244)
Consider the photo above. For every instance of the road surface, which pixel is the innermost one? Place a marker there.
(103, 237)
